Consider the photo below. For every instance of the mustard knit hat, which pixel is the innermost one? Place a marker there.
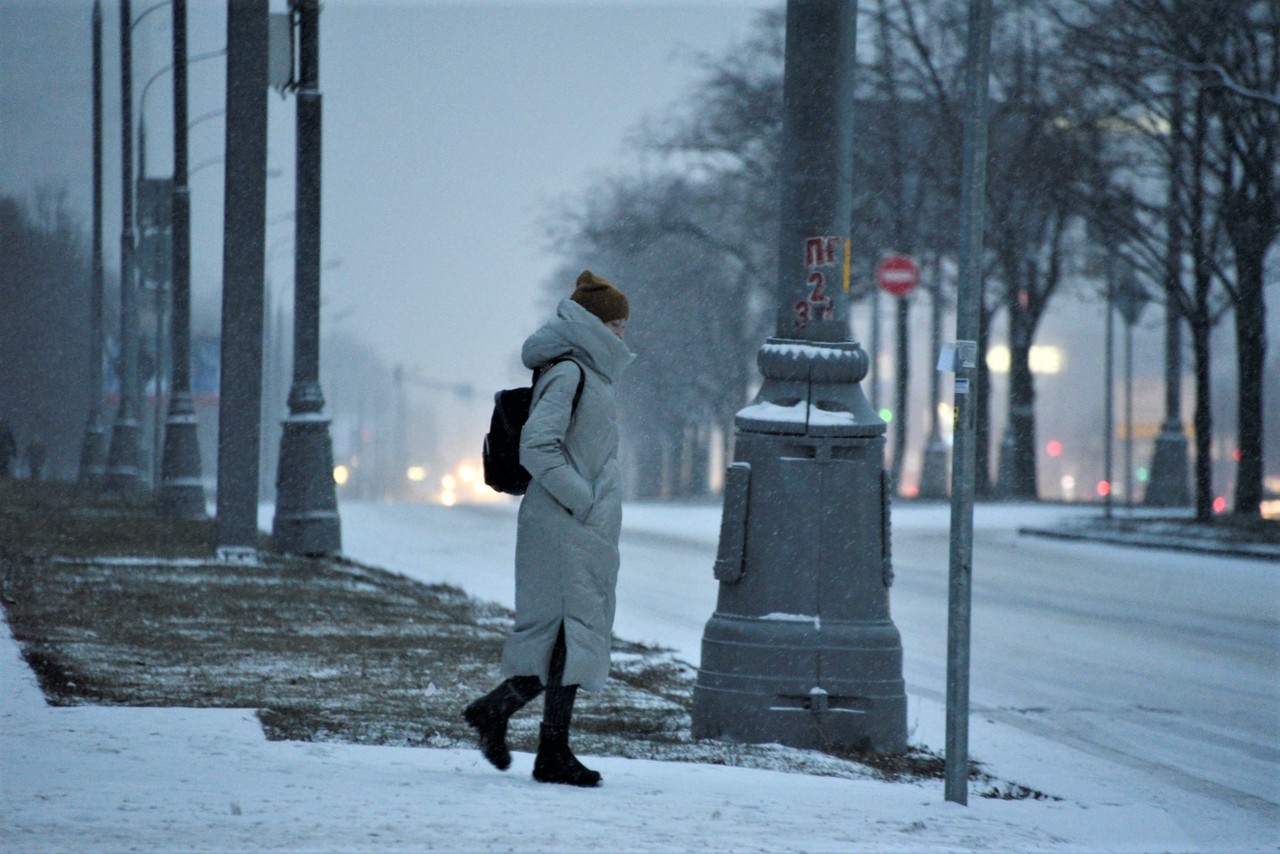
(599, 297)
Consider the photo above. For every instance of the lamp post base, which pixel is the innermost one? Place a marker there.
(858, 703)
(306, 520)
(181, 486)
(123, 476)
(1168, 486)
(801, 649)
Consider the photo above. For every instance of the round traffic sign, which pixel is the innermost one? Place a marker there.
(897, 275)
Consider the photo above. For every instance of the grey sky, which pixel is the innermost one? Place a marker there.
(450, 130)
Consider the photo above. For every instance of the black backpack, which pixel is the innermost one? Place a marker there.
(501, 455)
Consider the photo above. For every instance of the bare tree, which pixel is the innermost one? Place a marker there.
(1037, 196)
(1197, 80)
(44, 326)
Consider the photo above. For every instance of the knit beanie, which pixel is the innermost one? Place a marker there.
(602, 299)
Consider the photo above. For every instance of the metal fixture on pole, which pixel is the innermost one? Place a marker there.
(92, 468)
(204, 117)
(147, 11)
(244, 229)
(181, 480)
(801, 649)
(122, 473)
(968, 326)
(306, 519)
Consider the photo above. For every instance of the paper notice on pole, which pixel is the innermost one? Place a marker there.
(947, 359)
(962, 385)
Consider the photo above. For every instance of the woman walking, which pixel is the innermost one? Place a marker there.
(568, 528)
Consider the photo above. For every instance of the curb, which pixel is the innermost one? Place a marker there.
(1254, 551)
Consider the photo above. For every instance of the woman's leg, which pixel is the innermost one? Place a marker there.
(555, 762)
(489, 716)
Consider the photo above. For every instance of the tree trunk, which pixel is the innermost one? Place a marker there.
(902, 369)
(982, 427)
(1203, 419)
(1251, 355)
(1021, 470)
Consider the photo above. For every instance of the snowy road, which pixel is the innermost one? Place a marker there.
(1164, 663)
(1167, 662)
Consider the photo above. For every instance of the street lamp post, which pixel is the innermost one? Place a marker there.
(274, 386)
(1131, 299)
(801, 649)
(1169, 484)
(91, 452)
(181, 481)
(306, 519)
(1108, 407)
(244, 226)
(122, 474)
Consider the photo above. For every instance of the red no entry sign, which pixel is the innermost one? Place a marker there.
(897, 275)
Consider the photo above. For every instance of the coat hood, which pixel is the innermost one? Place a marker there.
(577, 333)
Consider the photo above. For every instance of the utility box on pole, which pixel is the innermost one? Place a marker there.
(801, 649)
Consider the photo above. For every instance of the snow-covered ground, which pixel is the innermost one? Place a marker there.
(1121, 681)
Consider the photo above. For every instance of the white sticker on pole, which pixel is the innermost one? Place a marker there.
(946, 359)
(962, 385)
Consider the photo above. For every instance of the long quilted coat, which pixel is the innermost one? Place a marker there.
(571, 515)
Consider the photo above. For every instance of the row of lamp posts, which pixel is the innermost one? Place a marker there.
(306, 520)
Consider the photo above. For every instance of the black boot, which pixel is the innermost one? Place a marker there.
(556, 762)
(489, 716)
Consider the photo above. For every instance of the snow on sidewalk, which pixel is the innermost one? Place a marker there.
(111, 778)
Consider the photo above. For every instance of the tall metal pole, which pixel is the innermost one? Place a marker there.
(874, 365)
(181, 483)
(306, 520)
(1128, 414)
(91, 451)
(244, 230)
(1169, 485)
(801, 649)
(122, 475)
(1108, 404)
(968, 318)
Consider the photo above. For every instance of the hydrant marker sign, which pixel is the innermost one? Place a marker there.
(819, 253)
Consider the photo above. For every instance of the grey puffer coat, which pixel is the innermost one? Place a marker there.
(571, 516)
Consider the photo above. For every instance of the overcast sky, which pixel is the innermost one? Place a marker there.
(450, 130)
